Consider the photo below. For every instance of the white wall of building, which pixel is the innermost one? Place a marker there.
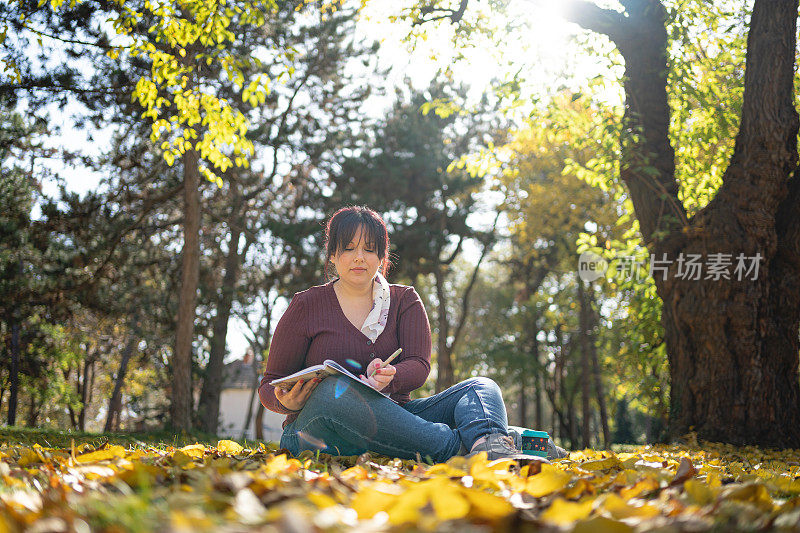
(233, 410)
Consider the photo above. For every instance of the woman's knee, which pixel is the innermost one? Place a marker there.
(485, 384)
(335, 396)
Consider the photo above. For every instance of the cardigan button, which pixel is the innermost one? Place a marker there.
(372, 355)
(369, 342)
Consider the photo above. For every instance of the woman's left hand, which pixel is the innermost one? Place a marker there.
(382, 377)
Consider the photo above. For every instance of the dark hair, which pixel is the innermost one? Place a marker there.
(343, 226)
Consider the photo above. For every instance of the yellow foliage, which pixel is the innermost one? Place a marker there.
(563, 513)
(233, 488)
(112, 452)
(549, 480)
(229, 446)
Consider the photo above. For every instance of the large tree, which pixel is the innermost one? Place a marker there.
(732, 340)
(732, 343)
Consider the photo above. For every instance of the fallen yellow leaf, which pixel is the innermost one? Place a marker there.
(229, 446)
(487, 506)
(754, 493)
(601, 464)
(448, 504)
(581, 487)
(619, 508)
(699, 492)
(375, 498)
(194, 450)
(106, 454)
(646, 484)
(548, 481)
(563, 513)
(601, 524)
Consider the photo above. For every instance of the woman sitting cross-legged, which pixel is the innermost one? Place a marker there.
(358, 319)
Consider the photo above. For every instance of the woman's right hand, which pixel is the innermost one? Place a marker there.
(295, 398)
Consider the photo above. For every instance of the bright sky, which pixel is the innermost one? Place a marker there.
(539, 44)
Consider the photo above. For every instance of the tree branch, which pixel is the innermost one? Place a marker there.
(587, 15)
(441, 13)
(465, 298)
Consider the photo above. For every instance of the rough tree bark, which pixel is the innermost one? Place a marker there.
(190, 273)
(732, 343)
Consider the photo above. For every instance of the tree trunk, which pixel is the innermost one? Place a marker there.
(732, 343)
(87, 368)
(190, 272)
(598, 378)
(538, 408)
(212, 382)
(14, 372)
(33, 412)
(523, 399)
(259, 421)
(115, 403)
(585, 341)
(253, 395)
(538, 370)
(444, 363)
(445, 376)
(601, 400)
(572, 426)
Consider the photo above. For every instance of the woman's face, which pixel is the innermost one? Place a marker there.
(358, 263)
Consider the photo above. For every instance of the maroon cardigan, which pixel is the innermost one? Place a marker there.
(314, 328)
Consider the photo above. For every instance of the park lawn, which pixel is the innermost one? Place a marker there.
(51, 481)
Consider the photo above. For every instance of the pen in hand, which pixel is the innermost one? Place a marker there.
(388, 360)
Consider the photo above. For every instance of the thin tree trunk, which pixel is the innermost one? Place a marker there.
(585, 341)
(92, 375)
(208, 409)
(445, 376)
(190, 272)
(253, 394)
(523, 399)
(444, 361)
(598, 379)
(572, 426)
(537, 399)
(87, 367)
(538, 370)
(601, 400)
(33, 412)
(260, 421)
(115, 402)
(14, 372)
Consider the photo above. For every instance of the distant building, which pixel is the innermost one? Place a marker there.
(237, 389)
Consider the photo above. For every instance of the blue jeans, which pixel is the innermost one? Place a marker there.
(342, 418)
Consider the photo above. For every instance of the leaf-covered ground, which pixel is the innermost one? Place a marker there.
(123, 484)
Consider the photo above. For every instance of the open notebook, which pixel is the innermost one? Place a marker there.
(327, 368)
